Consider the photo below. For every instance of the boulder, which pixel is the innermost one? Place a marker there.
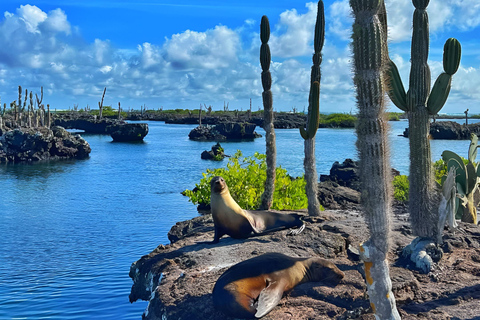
(341, 189)
(128, 131)
(224, 131)
(29, 145)
(216, 153)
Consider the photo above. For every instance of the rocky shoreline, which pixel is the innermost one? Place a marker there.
(177, 279)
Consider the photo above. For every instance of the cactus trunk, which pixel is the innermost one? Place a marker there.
(271, 150)
(370, 65)
(308, 134)
(422, 193)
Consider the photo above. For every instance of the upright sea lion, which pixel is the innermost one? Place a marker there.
(229, 218)
(252, 288)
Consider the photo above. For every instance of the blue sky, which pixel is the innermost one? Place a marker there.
(182, 53)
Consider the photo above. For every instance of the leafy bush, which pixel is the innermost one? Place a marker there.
(245, 178)
(440, 168)
(401, 183)
(400, 188)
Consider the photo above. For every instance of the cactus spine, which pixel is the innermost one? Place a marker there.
(265, 58)
(420, 104)
(370, 62)
(313, 119)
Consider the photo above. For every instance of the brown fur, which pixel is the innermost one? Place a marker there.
(256, 285)
(229, 218)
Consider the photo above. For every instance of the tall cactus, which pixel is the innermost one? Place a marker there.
(370, 62)
(420, 104)
(313, 115)
(265, 57)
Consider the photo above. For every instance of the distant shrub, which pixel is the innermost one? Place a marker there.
(394, 116)
(245, 178)
(342, 120)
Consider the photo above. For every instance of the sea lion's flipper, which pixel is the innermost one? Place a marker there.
(257, 223)
(297, 231)
(269, 298)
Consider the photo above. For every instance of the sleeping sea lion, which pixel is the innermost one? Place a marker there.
(229, 218)
(252, 288)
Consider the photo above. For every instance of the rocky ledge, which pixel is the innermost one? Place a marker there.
(128, 131)
(29, 145)
(224, 131)
(87, 123)
(451, 130)
(177, 279)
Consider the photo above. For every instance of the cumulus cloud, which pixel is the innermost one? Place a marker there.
(216, 48)
(293, 35)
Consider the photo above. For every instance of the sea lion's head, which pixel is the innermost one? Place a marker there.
(218, 184)
(320, 269)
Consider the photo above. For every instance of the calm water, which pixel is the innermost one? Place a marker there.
(70, 230)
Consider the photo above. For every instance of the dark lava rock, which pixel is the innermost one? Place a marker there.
(224, 131)
(341, 189)
(451, 130)
(128, 131)
(216, 153)
(28, 145)
(86, 123)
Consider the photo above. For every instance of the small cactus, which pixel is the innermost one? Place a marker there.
(467, 178)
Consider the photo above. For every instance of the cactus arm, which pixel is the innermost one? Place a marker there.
(396, 90)
(439, 93)
(452, 53)
(314, 115)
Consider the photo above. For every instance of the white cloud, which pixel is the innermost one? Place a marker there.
(215, 48)
(32, 16)
(340, 19)
(294, 33)
(57, 22)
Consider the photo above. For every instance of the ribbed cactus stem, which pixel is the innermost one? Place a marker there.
(370, 65)
(271, 150)
(420, 104)
(308, 135)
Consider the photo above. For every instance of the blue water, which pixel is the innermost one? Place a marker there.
(70, 230)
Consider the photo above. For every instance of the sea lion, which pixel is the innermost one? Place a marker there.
(252, 288)
(229, 218)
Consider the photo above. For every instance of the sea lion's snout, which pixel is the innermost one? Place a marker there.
(217, 184)
(325, 270)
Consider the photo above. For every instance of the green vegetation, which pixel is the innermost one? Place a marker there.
(108, 112)
(467, 177)
(400, 188)
(245, 177)
(341, 120)
(396, 116)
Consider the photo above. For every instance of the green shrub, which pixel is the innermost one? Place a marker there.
(401, 183)
(400, 188)
(342, 120)
(245, 177)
